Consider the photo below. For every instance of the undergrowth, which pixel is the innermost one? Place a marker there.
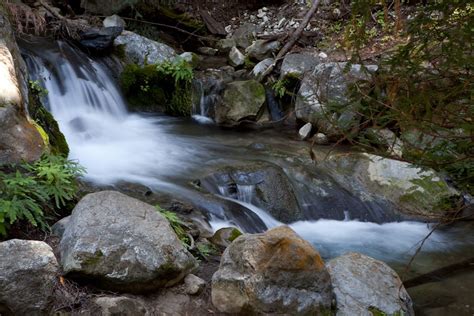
(33, 192)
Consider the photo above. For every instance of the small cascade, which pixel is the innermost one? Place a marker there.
(245, 193)
(208, 88)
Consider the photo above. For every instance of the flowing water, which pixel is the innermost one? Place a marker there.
(167, 153)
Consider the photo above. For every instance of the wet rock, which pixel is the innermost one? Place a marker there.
(412, 191)
(305, 131)
(365, 286)
(121, 305)
(245, 34)
(225, 236)
(324, 88)
(122, 244)
(276, 272)
(28, 275)
(20, 139)
(236, 58)
(98, 40)
(260, 183)
(320, 139)
(114, 21)
(135, 48)
(261, 67)
(297, 65)
(261, 49)
(193, 284)
(242, 100)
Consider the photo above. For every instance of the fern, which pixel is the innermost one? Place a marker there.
(177, 224)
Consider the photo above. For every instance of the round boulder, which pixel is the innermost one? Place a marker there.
(275, 272)
(122, 244)
(28, 274)
(365, 286)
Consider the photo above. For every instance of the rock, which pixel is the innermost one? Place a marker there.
(305, 131)
(261, 49)
(114, 21)
(209, 51)
(320, 139)
(275, 272)
(236, 58)
(262, 66)
(191, 58)
(365, 286)
(58, 228)
(122, 244)
(245, 34)
(323, 55)
(297, 65)
(260, 183)
(194, 285)
(136, 49)
(20, 139)
(28, 275)
(169, 303)
(225, 45)
(225, 236)
(412, 191)
(242, 100)
(121, 305)
(99, 40)
(107, 7)
(324, 88)
(385, 138)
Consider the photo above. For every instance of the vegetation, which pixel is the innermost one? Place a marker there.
(166, 84)
(177, 224)
(33, 192)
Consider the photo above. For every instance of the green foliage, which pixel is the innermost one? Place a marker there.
(167, 84)
(31, 190)
(36, 88)
(425, 88)
(177, 224)
(205, 250)
(280, 88)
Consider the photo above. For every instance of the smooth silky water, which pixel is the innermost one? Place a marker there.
(167, 153)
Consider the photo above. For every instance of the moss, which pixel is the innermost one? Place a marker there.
(92, 260)
(234, 234)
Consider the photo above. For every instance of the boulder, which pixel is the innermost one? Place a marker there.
(297, 65)
(261, 67)
(225, 45)
(28, 275)
(120, 305)
(275, 272)
(236, 58)
(261, 49)
(122, 244)
(412, 191)
(326, 89)
(20, 139)
(305, 131)
(243, 100)
(225, 236)
(245, 34)
(260, 183)
(365, 286)
(98, 40)
(194, 285)
(320, 139)
(138, 49)
(114, 21)
(60, 226)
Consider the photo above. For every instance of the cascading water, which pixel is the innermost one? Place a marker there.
(115, 145)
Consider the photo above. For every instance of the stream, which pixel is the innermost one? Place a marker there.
(167, 153)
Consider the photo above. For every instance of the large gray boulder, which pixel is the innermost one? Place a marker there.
(366, 287)
(28, 275)
(323, 98)
(276, 272)
(297, 65)
(243, 100)
(122, 244)
(260, 183)
(138, 49)
(410, 190)
(19, 137)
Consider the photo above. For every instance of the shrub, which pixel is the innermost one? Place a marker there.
(33, 191)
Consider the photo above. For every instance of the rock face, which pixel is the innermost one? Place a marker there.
(137, 49)
(243, 100)
(297, 65)
(28, 273)
(411, 190)
(365, 286)
(260, 183)
(327, 86)
(275, 272)
(122, 244)
(19, 138)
